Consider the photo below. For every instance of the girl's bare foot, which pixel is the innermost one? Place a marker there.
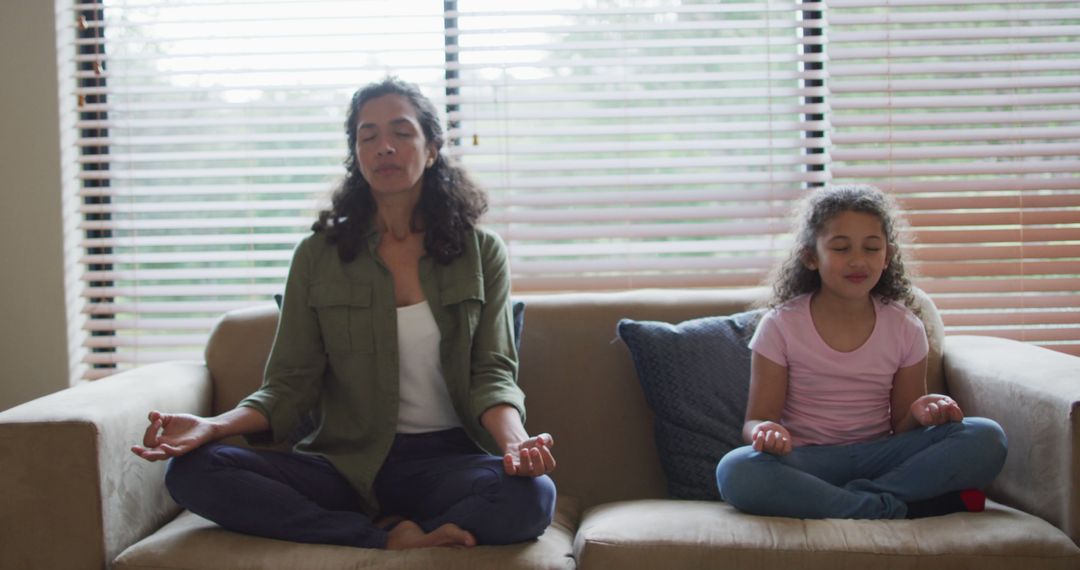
(408, 534)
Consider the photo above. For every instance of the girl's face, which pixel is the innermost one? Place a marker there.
(850, 254)
(391, 147)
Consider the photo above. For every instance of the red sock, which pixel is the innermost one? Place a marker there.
(970, 500)
(974, 500)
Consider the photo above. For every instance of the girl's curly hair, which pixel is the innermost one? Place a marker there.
(450, 202)
(792, 278)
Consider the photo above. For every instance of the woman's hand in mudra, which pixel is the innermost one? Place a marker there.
(530, 458)
(170, 435)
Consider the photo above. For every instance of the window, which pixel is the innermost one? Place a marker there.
(652, 143)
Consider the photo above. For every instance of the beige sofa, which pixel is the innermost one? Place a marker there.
(75, 497)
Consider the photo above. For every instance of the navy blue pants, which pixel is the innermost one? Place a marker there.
(432, 479)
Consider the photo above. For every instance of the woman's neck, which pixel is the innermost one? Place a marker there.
(394, 215)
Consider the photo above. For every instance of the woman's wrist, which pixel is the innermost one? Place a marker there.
(241, 420)
(503, 422)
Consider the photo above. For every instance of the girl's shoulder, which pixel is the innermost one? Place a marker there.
(793, 306)
(897, 312)
(789, 312)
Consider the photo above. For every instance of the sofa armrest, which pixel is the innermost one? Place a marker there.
(1034, 393)
(74, 494)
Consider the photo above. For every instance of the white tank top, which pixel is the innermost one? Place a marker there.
(423, 401)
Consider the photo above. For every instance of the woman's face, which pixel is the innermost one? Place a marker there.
(391, 147)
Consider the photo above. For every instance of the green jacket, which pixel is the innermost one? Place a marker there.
(336, 351)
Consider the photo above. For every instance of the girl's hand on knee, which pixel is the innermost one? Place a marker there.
(771, 437)
(936, 409)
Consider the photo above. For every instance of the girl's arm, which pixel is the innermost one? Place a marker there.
(909, 384)
(768, 391)
(912, 407)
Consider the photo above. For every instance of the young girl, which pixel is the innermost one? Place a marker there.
(838, 422)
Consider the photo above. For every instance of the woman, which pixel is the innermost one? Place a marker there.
(396, 329)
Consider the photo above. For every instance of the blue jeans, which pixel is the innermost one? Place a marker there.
(869, 480)
(432, 479)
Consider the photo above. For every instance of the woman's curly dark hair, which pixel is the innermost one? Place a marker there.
(450, 202)
(792, 278)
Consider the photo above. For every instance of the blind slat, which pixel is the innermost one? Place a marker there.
(999, 318)
(1022, 149)
(1011, 301)
(942, 135)
(977, 16)
(1003, 285)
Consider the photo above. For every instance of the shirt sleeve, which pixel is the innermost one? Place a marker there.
(494, 361)
(915, 335)
(294, 371)
(768, 339)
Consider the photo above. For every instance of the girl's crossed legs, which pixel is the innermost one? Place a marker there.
(871, 480)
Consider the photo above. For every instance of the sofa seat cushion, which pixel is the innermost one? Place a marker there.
(190, 542)
(697, 534)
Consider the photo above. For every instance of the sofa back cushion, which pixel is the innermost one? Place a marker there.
(237, 351)
(581, 385)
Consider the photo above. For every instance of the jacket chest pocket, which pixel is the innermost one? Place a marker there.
(468, 303)
(345, 316)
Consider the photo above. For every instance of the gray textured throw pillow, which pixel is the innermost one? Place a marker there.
(695, 376)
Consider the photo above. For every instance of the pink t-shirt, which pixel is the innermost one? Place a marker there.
(838, 397)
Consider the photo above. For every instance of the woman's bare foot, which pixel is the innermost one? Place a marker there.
(389, 522)
(408, 534)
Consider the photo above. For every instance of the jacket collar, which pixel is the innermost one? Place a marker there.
(462, 279)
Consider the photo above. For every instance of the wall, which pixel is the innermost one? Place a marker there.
(33, 332)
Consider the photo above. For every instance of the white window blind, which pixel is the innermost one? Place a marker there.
(623, 143)
(969, 112)
(210, 134)
(639, 144)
